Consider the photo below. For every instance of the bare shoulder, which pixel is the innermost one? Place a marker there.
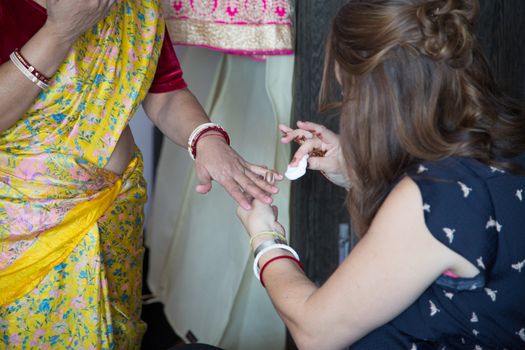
(403, 208)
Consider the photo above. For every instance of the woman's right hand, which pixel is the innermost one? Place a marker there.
(311, 137)
(69, 19)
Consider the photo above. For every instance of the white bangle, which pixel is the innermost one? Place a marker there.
(256, 268)
(266, 244)
(16, 61)
(200, 129)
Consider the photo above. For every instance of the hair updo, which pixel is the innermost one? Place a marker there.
(447, 26)
(416, 87)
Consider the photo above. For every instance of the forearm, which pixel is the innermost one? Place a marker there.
(296, 299)
(45, 51)
(175, 113)
(290, 291)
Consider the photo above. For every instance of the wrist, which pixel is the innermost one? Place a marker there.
(210, 139)
(266, 235)
(56, 37)
(199, 133)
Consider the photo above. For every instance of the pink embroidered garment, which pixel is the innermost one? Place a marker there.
(239, 27)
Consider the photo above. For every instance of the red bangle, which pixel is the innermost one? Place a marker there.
(220, 130)
(30, 68)
(275, 259)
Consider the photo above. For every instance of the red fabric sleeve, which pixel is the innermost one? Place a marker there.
(169, 72)
(21, 19)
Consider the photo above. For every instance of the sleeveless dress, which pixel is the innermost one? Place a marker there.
(479, 212)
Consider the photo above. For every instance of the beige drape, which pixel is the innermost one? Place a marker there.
(200, 264)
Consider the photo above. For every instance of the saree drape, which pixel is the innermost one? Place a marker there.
(200, 261)
(240, 27)
(70, 231)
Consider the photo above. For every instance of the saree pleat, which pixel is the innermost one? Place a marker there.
(70, 231)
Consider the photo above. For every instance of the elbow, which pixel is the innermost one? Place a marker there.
(313, 340)
(307, 341)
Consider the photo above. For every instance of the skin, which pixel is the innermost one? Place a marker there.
(386, 272)
(176, 113)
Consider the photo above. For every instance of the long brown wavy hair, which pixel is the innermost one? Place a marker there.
(415, 87)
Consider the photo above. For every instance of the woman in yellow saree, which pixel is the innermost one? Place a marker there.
(71, 185)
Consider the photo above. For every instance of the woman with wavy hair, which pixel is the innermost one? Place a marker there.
(433, 157)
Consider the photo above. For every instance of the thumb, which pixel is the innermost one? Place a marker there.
(275, 212)
(204, 182)
(318, 163)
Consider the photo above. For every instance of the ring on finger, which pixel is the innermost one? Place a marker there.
(269, 177)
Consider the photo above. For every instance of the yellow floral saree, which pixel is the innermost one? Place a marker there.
(71, 232)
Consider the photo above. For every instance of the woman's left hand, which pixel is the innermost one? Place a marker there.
(263, 217)
(217, 161)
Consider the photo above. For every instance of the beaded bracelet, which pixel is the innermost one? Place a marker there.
(29, 71)
(275, 259)
(266, 250)
(198, 133)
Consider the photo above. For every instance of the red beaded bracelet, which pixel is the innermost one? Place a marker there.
(30, 68)
(200, 135)
(289, 257)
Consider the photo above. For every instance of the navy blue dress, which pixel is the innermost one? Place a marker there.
(479, 212)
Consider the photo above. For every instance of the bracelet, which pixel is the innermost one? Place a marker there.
(267, 244)
(266, 250)
(268, 233)
(275, 259)
(199, 131)
(29, 71)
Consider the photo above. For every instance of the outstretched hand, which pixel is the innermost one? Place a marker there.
(324, 149)
(217, 161)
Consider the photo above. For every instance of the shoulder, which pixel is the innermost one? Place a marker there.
(458, 206)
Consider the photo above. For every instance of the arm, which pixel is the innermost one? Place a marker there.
(177, 114)
(385, 273)
(46, 50)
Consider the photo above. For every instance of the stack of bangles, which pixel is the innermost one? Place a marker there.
(28, 70)
(276, 241)
(203, 130)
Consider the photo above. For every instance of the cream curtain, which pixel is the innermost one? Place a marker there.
(200, 262)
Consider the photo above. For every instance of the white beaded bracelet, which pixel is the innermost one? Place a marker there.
(256, 268)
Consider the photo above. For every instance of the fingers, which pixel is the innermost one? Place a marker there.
(238, 194)
(297, 135)
(264, 172)
(304, 149)
(318, 130)
(256, 186)
(247, 186)
(107, 7)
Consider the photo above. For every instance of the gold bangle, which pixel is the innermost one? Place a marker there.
(267, 233)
